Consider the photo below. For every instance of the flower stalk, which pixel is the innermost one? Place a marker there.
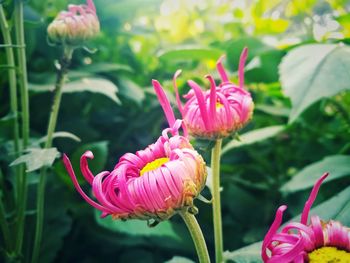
(23, 84)
(215, 166)
(61, 78)
(197, 236)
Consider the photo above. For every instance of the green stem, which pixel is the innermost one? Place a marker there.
(61, 77)
(22, 77)
(215, 167)
(3, 221)
(197, 236)
(5, 29)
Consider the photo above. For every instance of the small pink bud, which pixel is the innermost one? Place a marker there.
(75, 26)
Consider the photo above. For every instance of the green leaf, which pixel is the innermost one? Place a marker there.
(106, 67)
(57, 223)
(337, 165)
(60, 135)
(137, 227)
(248, 254)
(189, 53)
(312, 72)
(131, 90)
(177, 259)
(94, 85)
(37, 158)
(273, 110)
(253, 137)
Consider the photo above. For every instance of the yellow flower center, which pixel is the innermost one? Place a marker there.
(219, 105)
(329, 255)
(154, 165)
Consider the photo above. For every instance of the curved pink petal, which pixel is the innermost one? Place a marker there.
(242, 61)
(311, 199)
(221, 69)
(164, 102)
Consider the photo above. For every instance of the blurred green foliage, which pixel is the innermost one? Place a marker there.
(302, 106)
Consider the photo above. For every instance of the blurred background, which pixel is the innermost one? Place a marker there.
(300, 128)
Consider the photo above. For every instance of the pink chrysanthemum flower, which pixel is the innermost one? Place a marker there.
(220, 111)
(75, 26)
(317, 241)
(152, 184)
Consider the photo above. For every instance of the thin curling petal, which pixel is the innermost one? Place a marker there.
(242, 61)
(201, 103)
(85, 167)
(91, 5)
(311, 199)
(164, 102)
(273, 229)
(212, 107)
(178, 100)
(221, 69)
(71, 173)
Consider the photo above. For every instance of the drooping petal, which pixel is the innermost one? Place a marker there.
(71, 173)
(273, 229)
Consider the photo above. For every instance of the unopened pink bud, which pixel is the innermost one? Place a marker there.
(75, 26)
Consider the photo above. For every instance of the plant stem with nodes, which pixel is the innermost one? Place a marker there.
(61, 78)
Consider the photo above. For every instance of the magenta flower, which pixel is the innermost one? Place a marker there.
(218, 112)
(75, 26)
(317, 241)
(153, 183)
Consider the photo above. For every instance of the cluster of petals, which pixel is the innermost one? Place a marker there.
(76, 25)
(153, 183)
(297, 239)
(218, 112)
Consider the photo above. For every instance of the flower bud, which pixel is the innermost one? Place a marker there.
(215, 113)
(75, 26)
(220, 111)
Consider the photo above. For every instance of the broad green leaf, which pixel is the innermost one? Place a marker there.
(61, 135)
(189, 53)
(37, 158)
(94, 85)
(57, 221)
(178, 259)
(311, 72)
(131, 90)
(106, 67)
(137, 227)
(273, 110)
(248, 254)
(253, 137)
(337, 165)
